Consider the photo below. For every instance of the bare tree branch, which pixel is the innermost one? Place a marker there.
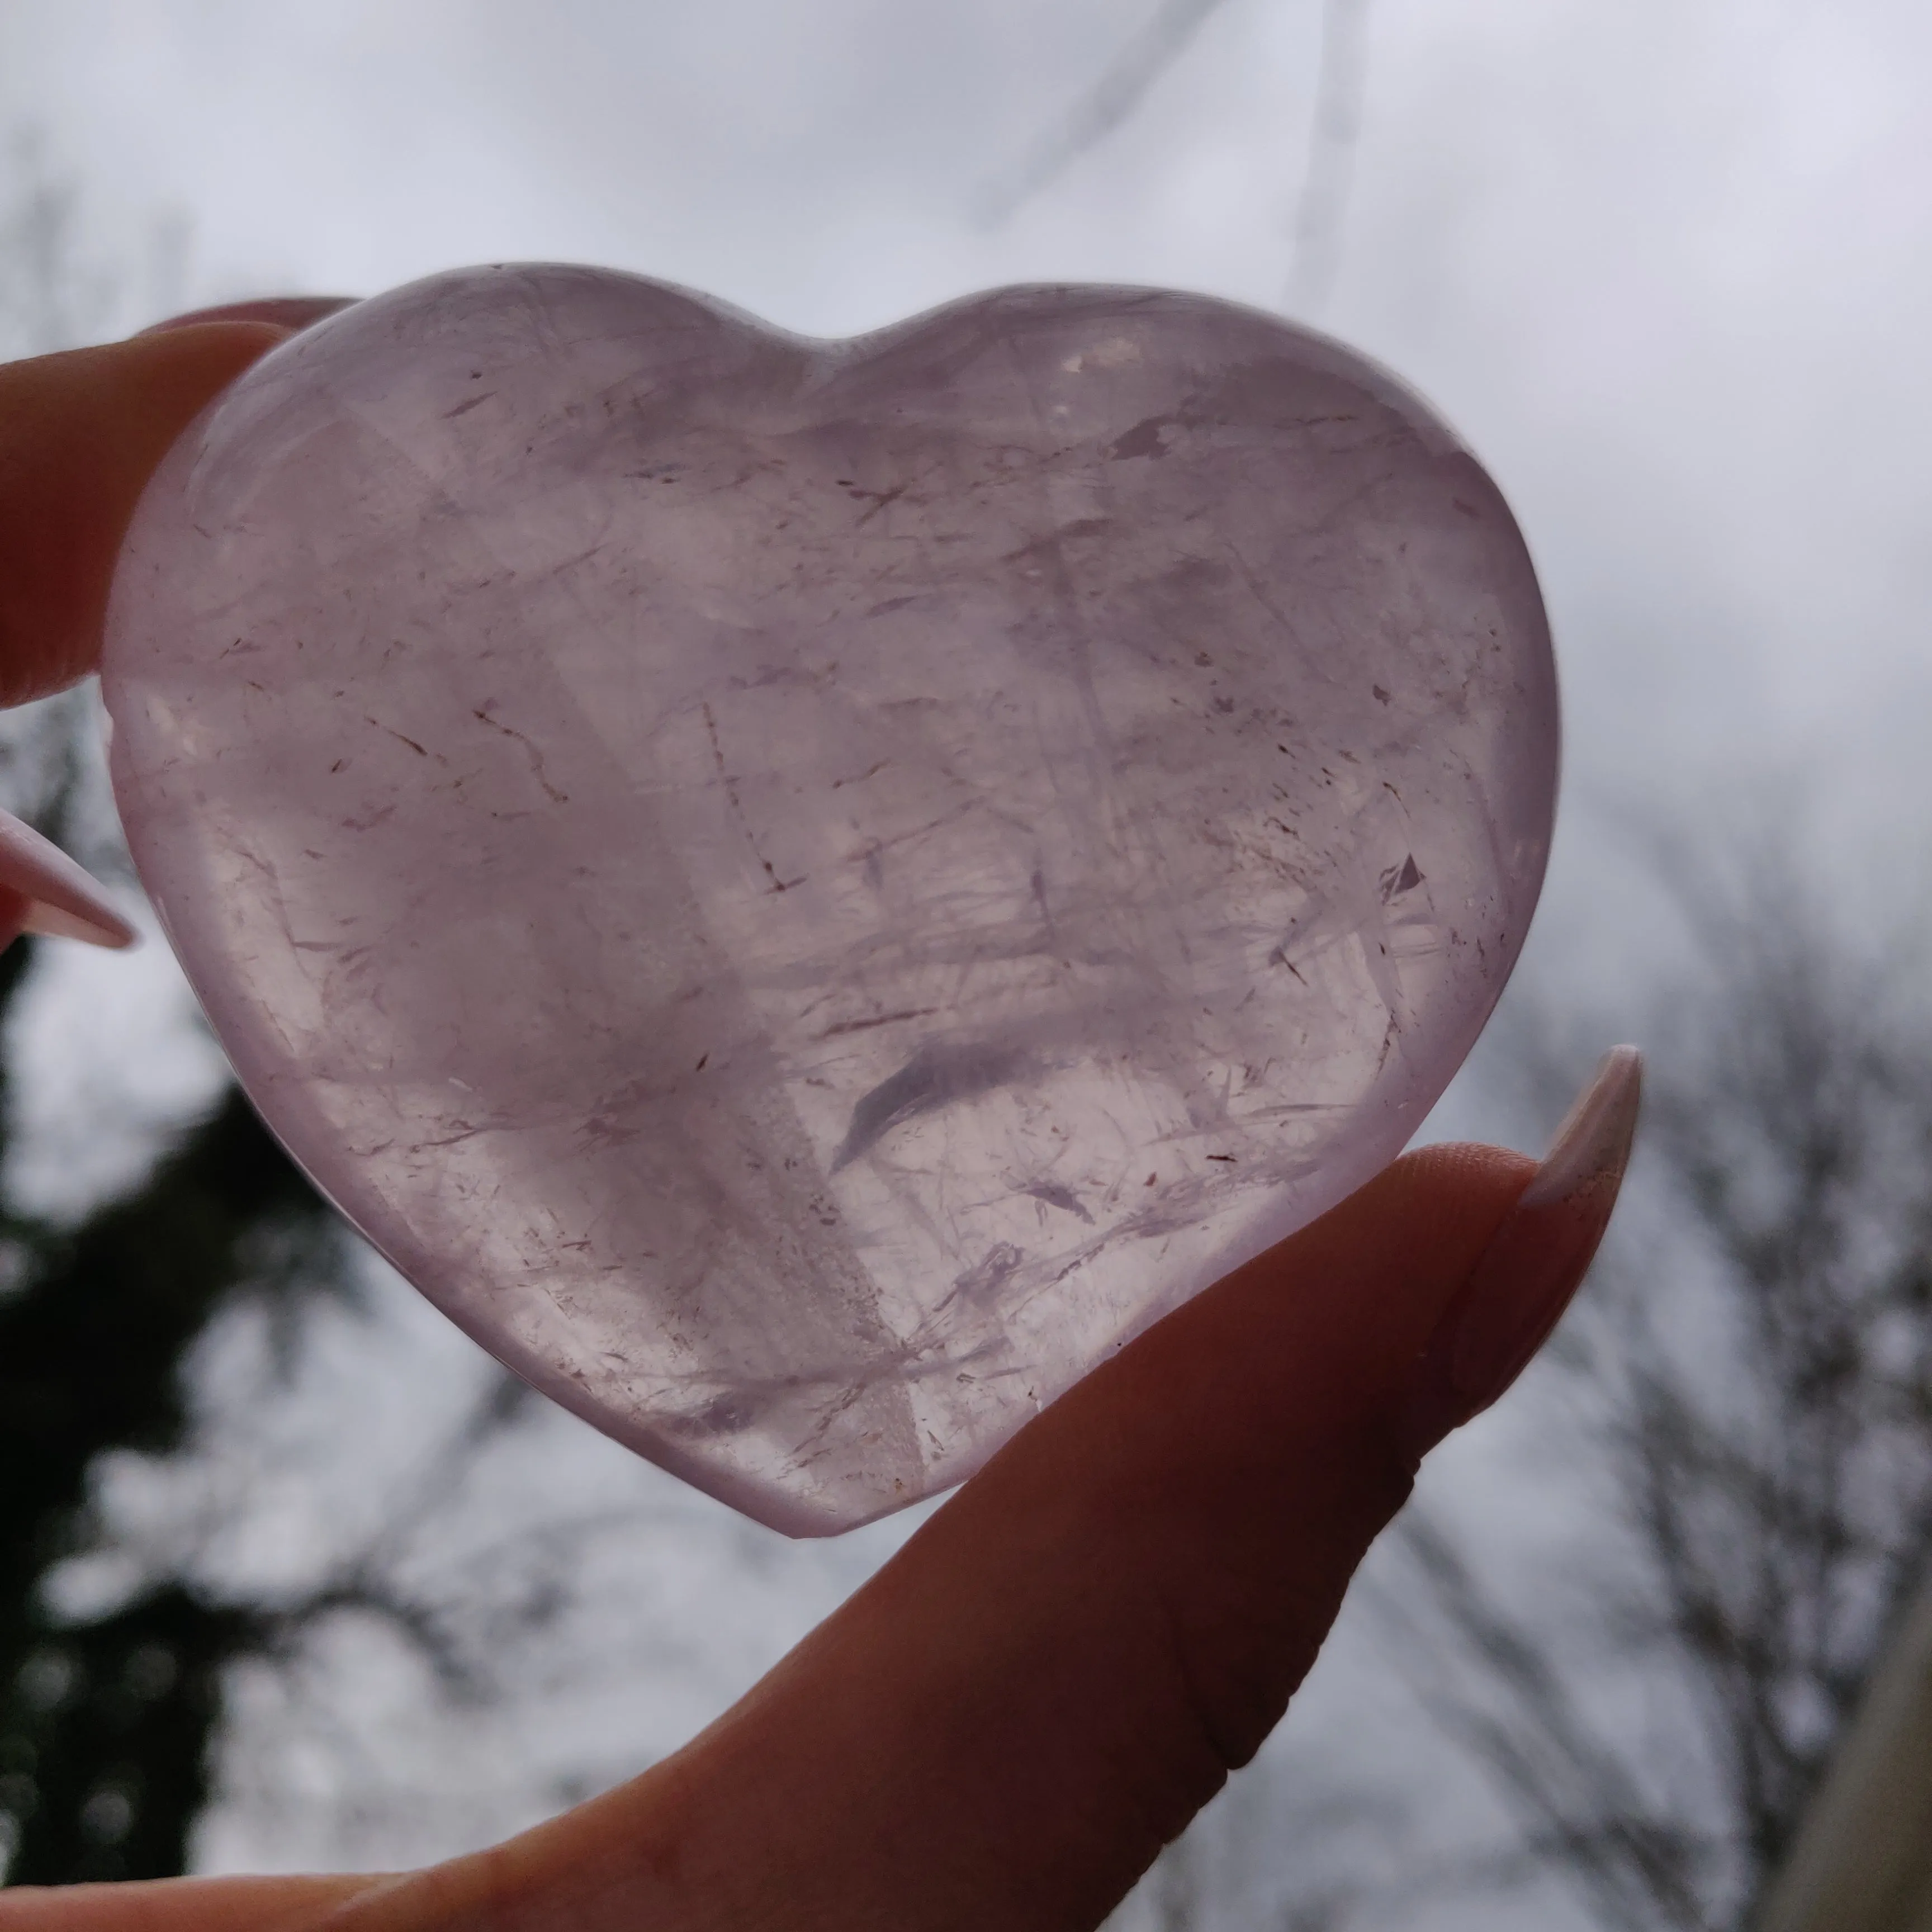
(1585, 1811)
(1334, 133)
(49, 297)
(1766, 1370)
(1135, 71)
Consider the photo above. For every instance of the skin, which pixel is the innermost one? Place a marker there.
(1006, 1725)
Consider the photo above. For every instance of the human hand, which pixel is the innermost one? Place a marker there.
(1002, 1729)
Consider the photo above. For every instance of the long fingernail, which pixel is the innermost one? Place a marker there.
(1537, 1260)
(62, 899)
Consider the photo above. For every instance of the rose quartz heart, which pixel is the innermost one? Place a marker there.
(805, 891)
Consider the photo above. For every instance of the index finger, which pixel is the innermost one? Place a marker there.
(80, 433)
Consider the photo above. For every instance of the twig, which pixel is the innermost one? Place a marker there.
(1334, 133)
(1135, 71)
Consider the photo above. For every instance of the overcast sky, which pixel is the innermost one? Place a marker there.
(1663, 262)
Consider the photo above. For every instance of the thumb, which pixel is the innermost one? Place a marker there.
(1006, 1724)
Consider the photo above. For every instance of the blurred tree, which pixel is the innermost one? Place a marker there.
(105, 1723)
(51, 296)
(1753, 1361)
(107, 1718)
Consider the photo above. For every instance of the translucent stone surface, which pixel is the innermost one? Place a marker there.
(804, 891)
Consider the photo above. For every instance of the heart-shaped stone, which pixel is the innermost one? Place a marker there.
(804, 892)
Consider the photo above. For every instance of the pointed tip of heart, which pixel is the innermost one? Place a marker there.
(62, 901)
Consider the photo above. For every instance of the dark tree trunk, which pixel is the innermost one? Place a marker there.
(105, 1725)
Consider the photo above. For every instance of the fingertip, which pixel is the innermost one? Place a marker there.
(1440, 1189)
(1401, 1243)
(184, 355)
(1464, 1163)
(84, 430)
(288, 313)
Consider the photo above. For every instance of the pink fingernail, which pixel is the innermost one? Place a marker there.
(1537, 1260)
(61, 900)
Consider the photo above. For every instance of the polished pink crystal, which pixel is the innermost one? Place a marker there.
(805, 891)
